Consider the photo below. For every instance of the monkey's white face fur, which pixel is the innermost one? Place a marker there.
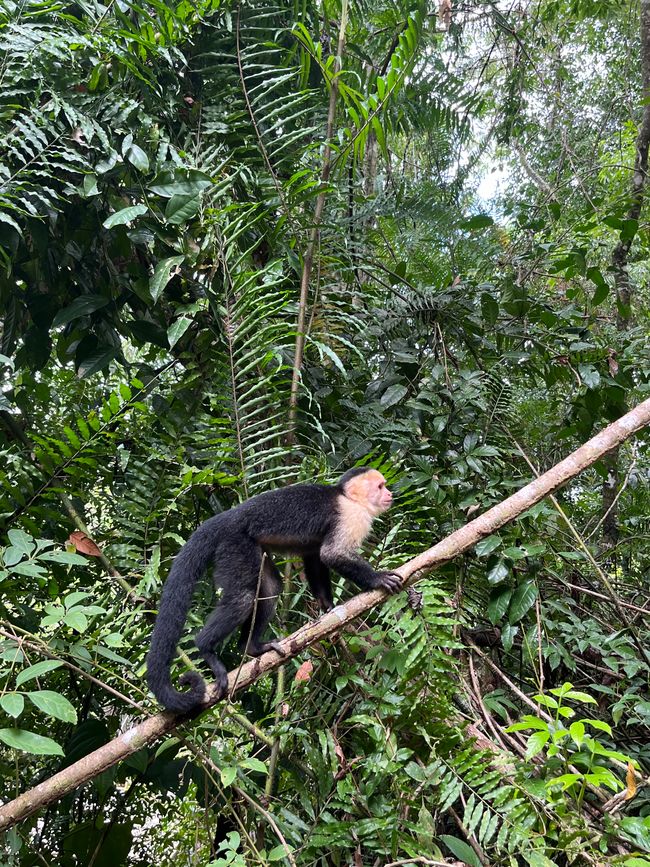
(369, 490)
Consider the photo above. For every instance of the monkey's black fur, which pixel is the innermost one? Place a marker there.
(304, 519)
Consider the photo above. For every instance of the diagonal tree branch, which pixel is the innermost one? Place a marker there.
(461, 540)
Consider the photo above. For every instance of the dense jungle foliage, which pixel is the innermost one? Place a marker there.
(249, 244)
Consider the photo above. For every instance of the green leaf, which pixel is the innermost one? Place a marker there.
(577, 732)
(545, 700)
(12, 703)
(84, 305)
(76, 620)
(489, 309)
(32, 570)
(5, 218)
(564, 780)
(11, 556)
(499, 572)
(29, 742)
(138, 158)
(522, 599)
(73, 598)
(162, 274)
(180, 182)
(95, 361)
(599, 724)
(589, 375)
(576, 695)
(177, 329)
(528, 721)
(508, 634)
(37, 670)
(538, 859)
(65, 557)
(462, 850)
(602, 288)
(227, 776)
(279, 853)
(21, 540)
(629, 229)
(89, 187)
(125, 215)
(480, 221)
(498, 604)
(415, 771)
(536, 743)
(53, 704)
(181, 209)
(393, 394)
(487, 546)
(254, 764)
(515, 553)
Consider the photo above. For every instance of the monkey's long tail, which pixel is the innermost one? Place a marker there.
(190, 563)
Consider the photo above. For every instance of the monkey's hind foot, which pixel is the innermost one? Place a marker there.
(389, 581)
(259, 649)
(218, 669)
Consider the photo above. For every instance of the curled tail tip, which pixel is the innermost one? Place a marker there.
(180, 702)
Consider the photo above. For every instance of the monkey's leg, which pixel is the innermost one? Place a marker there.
(230, 613)
(318, 578)
(250, 639)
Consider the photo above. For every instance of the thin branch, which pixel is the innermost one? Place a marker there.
(308, 260)
(460, 541)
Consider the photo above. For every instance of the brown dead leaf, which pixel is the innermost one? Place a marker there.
(304, 673)
(83, 544)
(630, 779)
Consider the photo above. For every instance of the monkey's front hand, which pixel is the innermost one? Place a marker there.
(389, 581)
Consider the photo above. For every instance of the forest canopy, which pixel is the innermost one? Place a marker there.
(245, 245)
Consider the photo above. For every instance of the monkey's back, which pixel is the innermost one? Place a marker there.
(297, 517)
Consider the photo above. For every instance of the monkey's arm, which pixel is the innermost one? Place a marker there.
(354, 568)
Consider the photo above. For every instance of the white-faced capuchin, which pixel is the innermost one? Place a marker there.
(325, 524)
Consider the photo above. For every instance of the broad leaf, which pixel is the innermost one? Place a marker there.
(53, 704)
(84, 305)
(29, 742)
(126, 215)
(37, 670)
(162, 274)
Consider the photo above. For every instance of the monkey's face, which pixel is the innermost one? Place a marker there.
(370, 490)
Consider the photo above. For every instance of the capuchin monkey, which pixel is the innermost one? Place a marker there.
(325, 524)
